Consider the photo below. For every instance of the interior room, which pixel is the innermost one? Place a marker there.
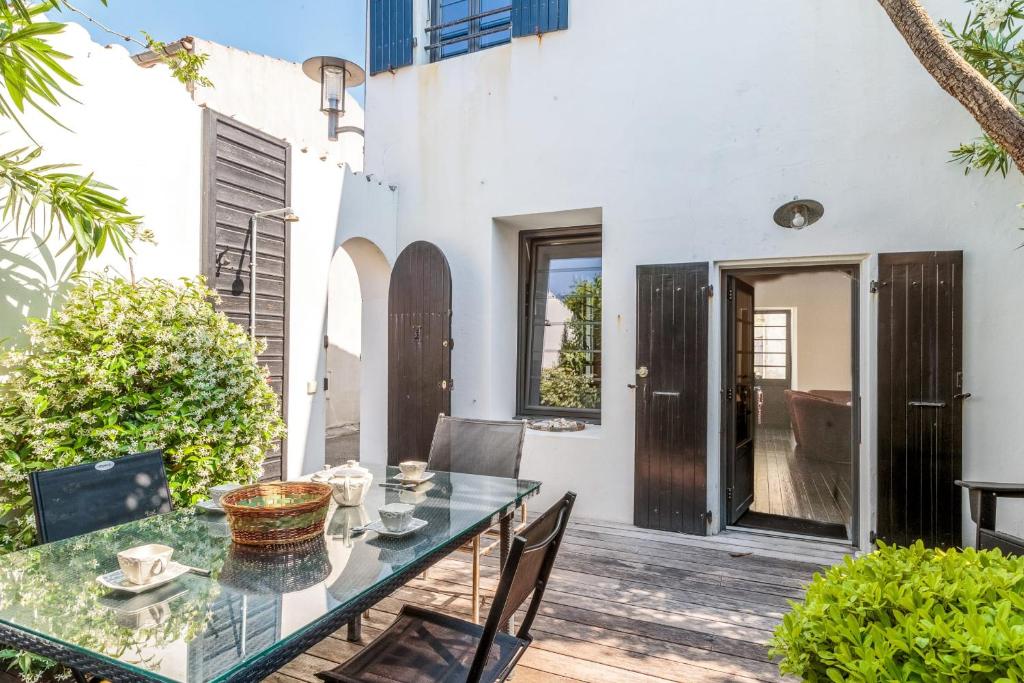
(802, 402)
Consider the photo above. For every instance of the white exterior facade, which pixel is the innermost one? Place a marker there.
(680, 128)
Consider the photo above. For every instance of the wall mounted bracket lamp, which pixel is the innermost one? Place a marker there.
(335, 75)
(799, 213)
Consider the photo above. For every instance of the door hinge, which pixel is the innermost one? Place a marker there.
(728, 394)
(732, 294)
(707, 518)
(710, 290)
(327, 341)
(873, 537)
(728, 493)
(326, 384)
(876, 285)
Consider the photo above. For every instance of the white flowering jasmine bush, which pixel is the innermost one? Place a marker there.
(123, 368)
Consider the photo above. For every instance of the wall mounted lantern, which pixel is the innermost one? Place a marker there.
(799, 213)
(335, 75)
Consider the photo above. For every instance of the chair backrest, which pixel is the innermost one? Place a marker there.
(76, 500)
(526, 572)
(488, 447)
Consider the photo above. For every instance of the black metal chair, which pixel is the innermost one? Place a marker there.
(489, 447)
(422, 645)
(983, 498)
(75, 500)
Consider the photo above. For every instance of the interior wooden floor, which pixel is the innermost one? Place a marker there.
(788, 485)
(628, 605)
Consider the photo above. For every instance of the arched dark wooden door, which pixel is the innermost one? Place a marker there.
(419, 350)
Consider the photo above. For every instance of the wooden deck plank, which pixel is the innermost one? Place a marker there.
(626, 605)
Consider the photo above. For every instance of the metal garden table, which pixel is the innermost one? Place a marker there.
(256, 611)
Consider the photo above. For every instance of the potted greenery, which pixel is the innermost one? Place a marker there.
(909, 614)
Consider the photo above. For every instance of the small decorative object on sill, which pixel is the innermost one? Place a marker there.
(557, 424)
(273, 514)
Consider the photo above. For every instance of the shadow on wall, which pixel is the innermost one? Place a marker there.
(32, 280)
(356, 405)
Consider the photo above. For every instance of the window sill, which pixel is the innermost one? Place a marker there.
(591, 431)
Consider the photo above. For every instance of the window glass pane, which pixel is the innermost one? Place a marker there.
(500, 22)
(774, 345)
(771, 333)
(451, 10)
(564, 369)
(772, 373)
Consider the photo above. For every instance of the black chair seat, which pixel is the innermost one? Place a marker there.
(422, 646)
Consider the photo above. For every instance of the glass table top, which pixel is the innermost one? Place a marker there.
(196, 628)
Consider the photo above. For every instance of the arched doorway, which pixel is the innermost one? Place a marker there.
(356, 363)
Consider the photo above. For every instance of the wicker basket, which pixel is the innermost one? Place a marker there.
(274, 514)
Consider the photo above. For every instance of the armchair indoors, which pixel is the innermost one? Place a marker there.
(822, 426)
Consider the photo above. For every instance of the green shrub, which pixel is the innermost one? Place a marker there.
(562, 387)
(123, 368)
(909, 614)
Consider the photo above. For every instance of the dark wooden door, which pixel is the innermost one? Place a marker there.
(245, 171)
(920, 392)
(671, 398)
(740, 417)
(419, 350)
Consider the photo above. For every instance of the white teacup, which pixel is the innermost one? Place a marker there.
(220, 490)
(144, 563)
(413, 469)
(396, 516)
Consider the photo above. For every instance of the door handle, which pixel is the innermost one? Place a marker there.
(927, 404)
(960, 397)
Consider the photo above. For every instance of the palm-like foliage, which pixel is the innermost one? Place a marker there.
(990, 41)
(49, 199)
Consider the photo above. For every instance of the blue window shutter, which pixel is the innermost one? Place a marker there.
(390, 35)
(533, 17)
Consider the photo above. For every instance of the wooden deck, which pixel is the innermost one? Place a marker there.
(628, 605)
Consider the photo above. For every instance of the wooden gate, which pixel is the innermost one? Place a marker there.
(245, 171)
(419, 350)
(920, 392)
(671, 398)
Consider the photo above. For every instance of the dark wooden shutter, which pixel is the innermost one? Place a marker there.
(671, 400)
(390, 35)
(419, 350)
(245, 171)
(920, 331)
(533, 17)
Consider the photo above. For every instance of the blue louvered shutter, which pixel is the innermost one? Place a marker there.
(531, 17)
(390, 34)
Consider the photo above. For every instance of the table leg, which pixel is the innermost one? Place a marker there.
(355, 629)
(505, 545)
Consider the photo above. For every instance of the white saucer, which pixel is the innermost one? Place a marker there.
(427, 476)
(414, 525)
(116, 580)
(210, 506)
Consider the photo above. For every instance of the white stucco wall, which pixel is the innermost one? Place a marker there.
(139, 130)
(688, 144)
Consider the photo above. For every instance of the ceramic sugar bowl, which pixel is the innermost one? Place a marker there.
(351, 482)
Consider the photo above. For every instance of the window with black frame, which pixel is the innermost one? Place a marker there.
(560, 331)
(462, 26)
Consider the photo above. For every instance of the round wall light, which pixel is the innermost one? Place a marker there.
(799, 213)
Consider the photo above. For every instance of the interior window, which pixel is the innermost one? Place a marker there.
(560, 338)
(771, 345)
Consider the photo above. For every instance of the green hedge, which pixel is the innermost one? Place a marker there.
(909, 614)
(122, 368)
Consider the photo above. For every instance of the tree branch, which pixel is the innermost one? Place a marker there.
(996, 114)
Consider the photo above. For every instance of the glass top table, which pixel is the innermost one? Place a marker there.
(257, 610)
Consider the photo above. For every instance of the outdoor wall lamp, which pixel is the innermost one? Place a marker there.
(799, 213)
(288, 217)
(335, 75)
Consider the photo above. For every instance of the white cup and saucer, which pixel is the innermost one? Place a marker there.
(396, 520)
(217, 493)
(413, 472)
(143, 568)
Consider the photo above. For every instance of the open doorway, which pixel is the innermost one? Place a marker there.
(789, 384)
(356, 350)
